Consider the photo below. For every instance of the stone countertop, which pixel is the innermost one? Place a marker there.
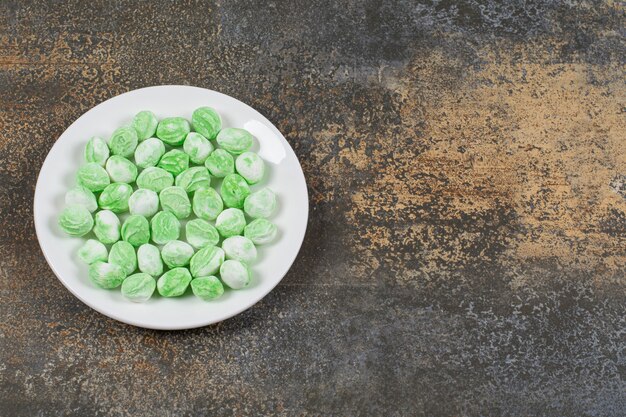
(466, 247)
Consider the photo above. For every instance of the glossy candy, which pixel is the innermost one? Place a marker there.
(206, 121)
(149, 152)
(260, 204)
(93, 177)
(239, 248)
(230, 222)
(220, 163)
(174, 282)
(260, 231)
(107, 228)
(149, 260)
(197, 147)
(207, 288)
(106, 275)
(154, 179)
(207, 204)
(193, 179)
(164, 227)
(121, 169)
(235, 274)
(175, 200)
(174, 162)
(200, 233)
(123, 254)
(144, 202)
(234, 190)
(123, 141)
(145, 124)
(173, 130)
(206, 261)
(250, 166)
(138, 287)
(115, 197)
(93, 251)
(97, 151)
(176, 253)
(81, 196)
(136, 230)
(76, 220)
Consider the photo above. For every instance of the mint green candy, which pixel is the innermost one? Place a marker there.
(174, 282)
(173, 130)
(81, 196)
(145, 124)
(207, 288)
(93, 177)
(144, 202)
(175, 200)
(176, 253)
(193, 179)
(123, 141)
(106, 275)
(239, 248)
(200, 233)
(154, 179)
(207, 203)
(93, 251)
(235, 274)
(235, 140)
(260, 204)
(107, 228)
(260, 231)
(138, 287)
(136, 230)
(206, 261)
(76, 220)
(174, 162)
(230, 222)
(250, 166)
(197, 147)
(121, 169)
(97, 151)
(123, 254)
(115, 197)
(206, 121)
(149, 152)
(220, 163)
(149, 260)
(164, 227)
(234, 190)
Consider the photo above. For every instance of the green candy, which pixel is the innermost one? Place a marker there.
(260, 204)
(106, 275)
(138, 287)
(197, 147)
(97, 151)
(207, 288)
(239, 248)
(235, 140)
(149, 153)
(175, 200)
(193, 179)
(149, 260)
(234, 190)
(123, 254)
(76, 220)
(206, 261)
(206, 121)
(144, 202)
(173, 130)
(81, 196)
(93, 177)
(260, 231)
(136, 230)
(174, 162)
(121, 169)
(155, 179)
(145, 124)
(123, 141)
(235, 274)
(93, 251)
(220, 163)
(164, 227)
(207, 204)
(107, 228)
(115, 197)
(174, 282)
(250, 166)
(200, 233)
(176, 253)
(230, 222)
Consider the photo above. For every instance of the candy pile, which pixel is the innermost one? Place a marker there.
(163, 174)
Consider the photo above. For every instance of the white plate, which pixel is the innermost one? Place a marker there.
(284, 176)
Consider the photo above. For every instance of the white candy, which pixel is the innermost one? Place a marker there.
(149, 260)
(93, 251)
(260, 204)
(197, 147)
(149, 152)
(235, 274)
(144, 202)
(81, 196)
(239, 248)
(250, 166)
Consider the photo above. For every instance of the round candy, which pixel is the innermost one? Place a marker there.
(260, 231)
(235, 274)
(239, 248)
(143, 202)
(136, 230)
(123, 141)
(81, 196)
(121, 169)
(234, 190)
(154, 179)
(230, 222)
(93, 177)
(174, 282)
(76, 220)
(176, 253)
(149, 153)
(206, 121)
(145, 124)
(250, 166)
(175, 200)
(200, 233)
(149, 260)
(206, 261)
(93, 251)
(97, 151)
(106, 275)
(173, 130)
(123, 254)
(260, 204)
(207, 288)
(207, 204)
(220, 163)
(138, 287)
(174, 162)
(193, 179)
(107, 228)
(115, 197)
(235, 140)
(197, 147)
(164, 227)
